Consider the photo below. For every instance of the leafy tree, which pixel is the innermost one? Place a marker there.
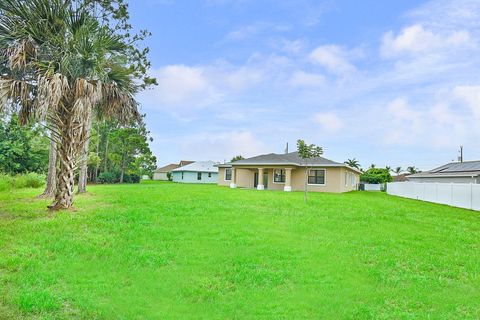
(353, 163)
(307, 152)
(63, 60)
(131, 152)
(22, 148)
(236, 158)
(376, 175)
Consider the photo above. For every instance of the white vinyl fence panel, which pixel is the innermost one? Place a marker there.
(372, 187)
(463, 195)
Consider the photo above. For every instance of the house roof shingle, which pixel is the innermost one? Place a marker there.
(453, 169)
(291, 158)
(167, 168)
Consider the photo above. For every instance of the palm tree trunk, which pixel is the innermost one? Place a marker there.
(52, 170)
(67, 151)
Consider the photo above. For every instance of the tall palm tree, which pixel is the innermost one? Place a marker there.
(388, 168)
(372, 166)
(398, 170)
(61, 66)
(353, 163)
(412, 170)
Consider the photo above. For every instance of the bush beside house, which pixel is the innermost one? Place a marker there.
(376, 176)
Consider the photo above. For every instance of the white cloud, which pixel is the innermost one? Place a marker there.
(400, 110)
(242, 78)
(222, 145)
(305, 79)
(415, 39)
(179, 85)
(329, 122)
(333, 58)
(254, 29)
(471, 96)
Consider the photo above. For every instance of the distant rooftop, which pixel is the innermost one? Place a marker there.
(453, 169)
(199, 166)
(167, 168)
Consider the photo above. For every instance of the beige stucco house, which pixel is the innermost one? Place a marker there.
(287, 172)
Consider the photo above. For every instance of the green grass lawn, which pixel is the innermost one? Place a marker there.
(169, 251)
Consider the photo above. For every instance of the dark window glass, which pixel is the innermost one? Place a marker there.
(316, 177)
(279, 175)
(228, 174)
(199, 176)
(209, 174)
(182, 175)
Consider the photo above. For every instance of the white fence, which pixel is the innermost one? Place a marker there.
(463, 195)
(372, 187)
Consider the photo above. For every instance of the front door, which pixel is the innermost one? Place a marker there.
(265, 179)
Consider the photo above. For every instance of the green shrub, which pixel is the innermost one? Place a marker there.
(376, 175)
(114, 177)
(131, 178)
(6, 182)
(108, 177)
(28, 180)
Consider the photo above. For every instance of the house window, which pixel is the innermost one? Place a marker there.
(182, 175)
(209, 174)
(316, 176)
(228, 174)
(279, 175)
(346, 179)
(199, 176)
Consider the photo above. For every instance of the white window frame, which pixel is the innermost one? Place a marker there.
(273, 176)
(324, 180)
(225, 175)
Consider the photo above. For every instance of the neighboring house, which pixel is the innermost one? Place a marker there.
(162, 173)
(401, 177)
(287, 172)
(197, 172)
(455, 172)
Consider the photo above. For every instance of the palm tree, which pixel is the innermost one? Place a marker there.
(353, 163)
(398, 171)
(372, 166)
(412, 170)
(388, 168)
(62, 65)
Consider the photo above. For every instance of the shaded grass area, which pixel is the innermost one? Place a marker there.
(169, 251)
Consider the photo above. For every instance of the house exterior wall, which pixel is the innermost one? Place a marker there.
(160, 176)
(337, 179)
(445, 179)
(191, 177)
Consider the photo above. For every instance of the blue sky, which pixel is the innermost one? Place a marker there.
(387, 82)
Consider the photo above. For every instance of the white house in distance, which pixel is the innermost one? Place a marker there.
(455, 172)
(162, 173)
(197, 172)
